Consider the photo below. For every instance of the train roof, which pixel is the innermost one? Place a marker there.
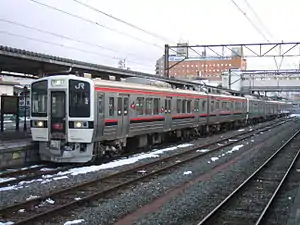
(149, 87)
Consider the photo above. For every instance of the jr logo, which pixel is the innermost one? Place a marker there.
(79, 86)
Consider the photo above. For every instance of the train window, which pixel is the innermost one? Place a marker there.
(204, 106)
(100, 104)
(224, 106)
(196, 105)
(149, 106)
(79, 99)
(178, 105)
(189, 106)
(140, 106)
(126, 106)
(39, 98)
(184, 106)
(156, 106)
(217, 105)
(58, 104)
(119, 107)
(212, 106)
(111, 106)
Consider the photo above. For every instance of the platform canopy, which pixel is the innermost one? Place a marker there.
(37, 64)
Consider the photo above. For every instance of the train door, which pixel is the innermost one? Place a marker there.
(100, 115)
(196, 110)
(123, 115)
(58, 112)
(57, 120)
(168, 113)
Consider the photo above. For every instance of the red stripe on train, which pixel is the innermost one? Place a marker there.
(167, 94)
(147, 118)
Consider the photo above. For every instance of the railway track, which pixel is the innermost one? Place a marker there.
(55, 202)
(35, 172)
(250, 202)
(31, 173)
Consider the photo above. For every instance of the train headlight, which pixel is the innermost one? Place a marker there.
(40, 124)
(78, 124)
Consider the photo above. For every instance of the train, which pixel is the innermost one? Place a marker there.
(78, 120)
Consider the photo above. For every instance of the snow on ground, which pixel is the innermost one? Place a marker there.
(295, 115)
(187, 172)
(2, 180)
(87, 169)
(74, 222)
(6, 223)
(235, 148)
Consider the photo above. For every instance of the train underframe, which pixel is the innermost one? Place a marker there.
(148, 141)
(96, 151)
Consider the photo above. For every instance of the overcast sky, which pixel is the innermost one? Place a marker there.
(196, 21)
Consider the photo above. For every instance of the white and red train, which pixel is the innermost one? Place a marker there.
(78, 119)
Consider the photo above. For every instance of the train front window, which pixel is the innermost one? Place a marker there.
(58, 104)
(39, 99)
(79, 100)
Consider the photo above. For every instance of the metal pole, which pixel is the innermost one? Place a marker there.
(229, 79)
(25, 106)
(166, 61)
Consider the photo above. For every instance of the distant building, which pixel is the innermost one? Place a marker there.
(159, 66)
(204, 67)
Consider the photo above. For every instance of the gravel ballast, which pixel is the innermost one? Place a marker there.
(202, 195)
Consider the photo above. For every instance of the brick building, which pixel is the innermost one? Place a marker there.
(204, 67)
(207, 68)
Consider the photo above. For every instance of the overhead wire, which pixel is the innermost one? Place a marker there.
(252, 23)
(259, 19)
(96, 23)
(65, 46)
(64, 37)
(267, 30)
(123, 21)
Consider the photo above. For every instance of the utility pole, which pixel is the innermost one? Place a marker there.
(166, 61)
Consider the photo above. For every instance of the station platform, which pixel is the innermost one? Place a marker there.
(14, 135)
(17, 149)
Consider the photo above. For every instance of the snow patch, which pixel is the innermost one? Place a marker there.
(31, 197)
(74, 222)
(2, 180)
(214, 159)
(6, 223)
(235, 148)
(202, 150)
(60, 178)
(187, 172)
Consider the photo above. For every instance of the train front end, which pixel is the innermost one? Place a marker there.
(62, 118)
